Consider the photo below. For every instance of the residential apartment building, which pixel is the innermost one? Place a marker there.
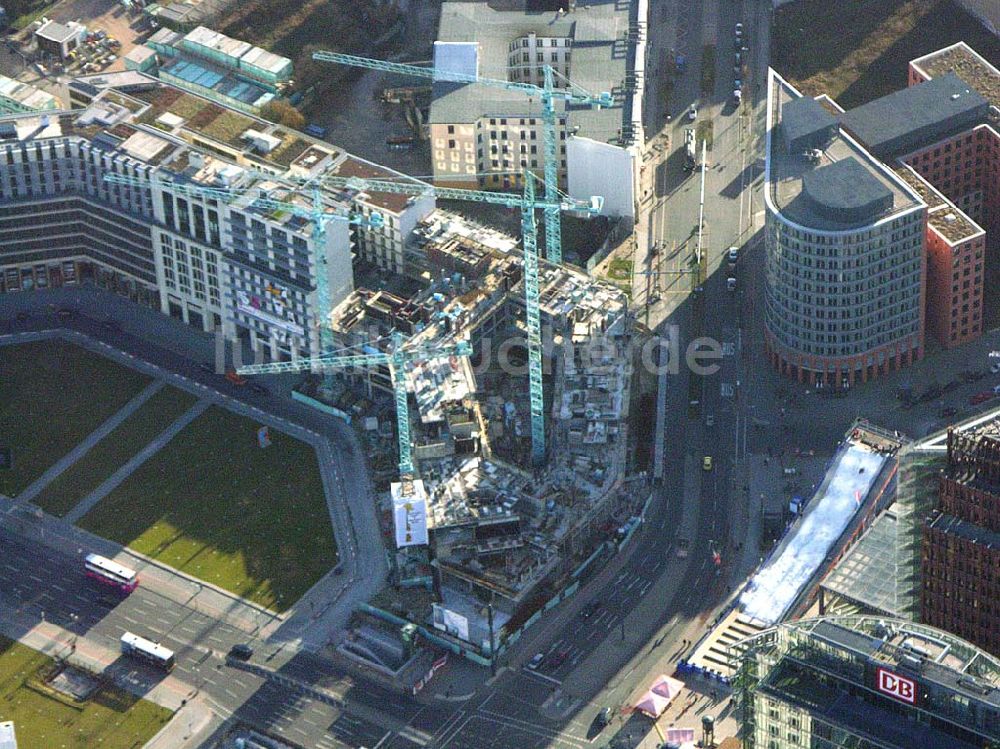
(844, 240)
(873, 682)
(484, 136)
(961, 550)
(220, 260)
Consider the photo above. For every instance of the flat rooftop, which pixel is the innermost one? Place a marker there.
(26, 95)
(968, 65)
(938, 657)
(598, 62)
(789, 174)
(977, 534)
(928, 111)
(217, 80)
(952, 224)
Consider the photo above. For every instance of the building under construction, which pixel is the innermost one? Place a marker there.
(496, 529)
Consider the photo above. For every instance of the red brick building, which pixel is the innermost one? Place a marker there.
(961, 548)
(956, 249)
(965, 169)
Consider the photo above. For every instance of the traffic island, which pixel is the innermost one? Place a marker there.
(55, 707)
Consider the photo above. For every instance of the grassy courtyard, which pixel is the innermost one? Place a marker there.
(215, 505)
(52, 395)
(111, 719)
(856, 52)
(137, 431)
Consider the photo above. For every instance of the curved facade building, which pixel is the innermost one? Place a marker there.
(845, 263)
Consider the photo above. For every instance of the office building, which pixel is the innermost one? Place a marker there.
(844, 241)
(228, 264)
(205, 62)
(17, 97)
(961, 544)
(874, 682)
(483, 136)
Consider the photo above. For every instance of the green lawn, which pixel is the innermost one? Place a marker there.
(620, 269)
(52, 395)
(857, 51)
(137, 431)
(112, 719)
(215, 505)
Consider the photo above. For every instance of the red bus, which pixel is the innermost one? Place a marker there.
(107, 572)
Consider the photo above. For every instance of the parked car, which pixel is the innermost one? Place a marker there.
(981, 397)
(241, 651)
(710, 420)
(733, 254)
(739, 31)
(693, 113)
(995, 367)
(536, 661)
(259, 389)
(604, 717)
(730, 284)
(206, 367)
(558, 657)
(706, 463)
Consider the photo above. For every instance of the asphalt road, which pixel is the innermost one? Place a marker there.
(39, 584)
(647, 605)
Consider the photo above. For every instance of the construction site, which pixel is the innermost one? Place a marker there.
(497, 526)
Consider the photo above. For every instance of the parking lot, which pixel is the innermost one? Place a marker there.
(99, 55)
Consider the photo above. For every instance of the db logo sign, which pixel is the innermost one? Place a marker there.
(896, 686)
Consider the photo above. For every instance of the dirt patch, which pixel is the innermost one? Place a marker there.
(856, 52)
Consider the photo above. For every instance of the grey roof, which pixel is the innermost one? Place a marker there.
(787, 171)
(846, 192)
(598, 62)
(804, 117)
(867, 574)
(917, 115)
(56, 32)
(880, 652)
